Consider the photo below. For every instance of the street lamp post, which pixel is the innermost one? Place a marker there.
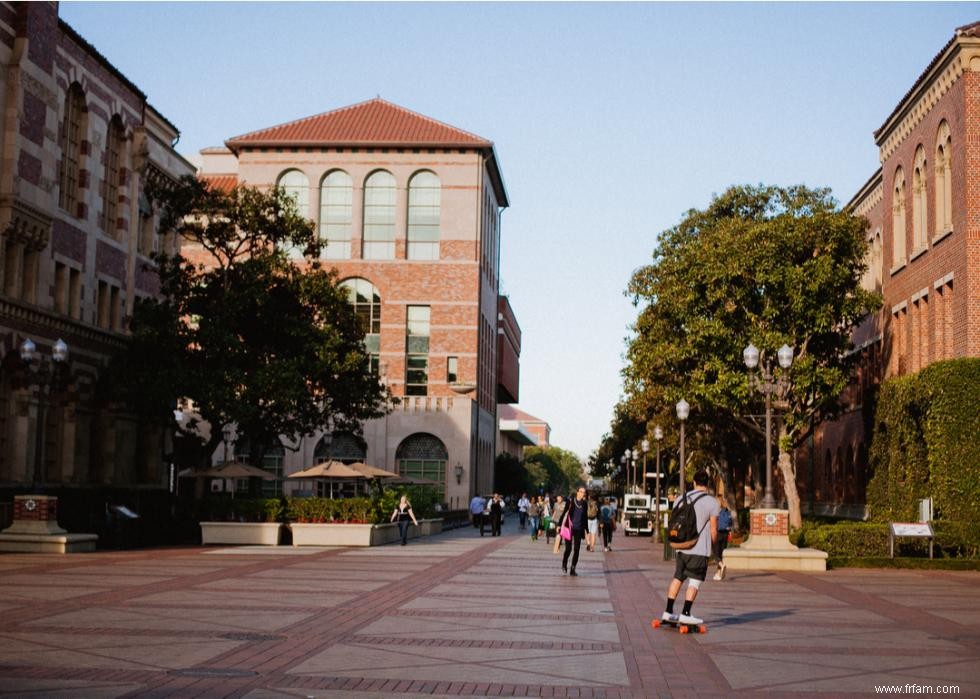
(645, 446)
(683, 410)
(768, 384)
(44, 375)
(658, 434)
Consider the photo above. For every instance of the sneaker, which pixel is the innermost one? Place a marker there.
(688, 619)
(722, 570)
(573, 573)
(671, 617)
(607, 549)
(717, 576)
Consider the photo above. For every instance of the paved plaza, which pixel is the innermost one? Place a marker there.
(461, 615)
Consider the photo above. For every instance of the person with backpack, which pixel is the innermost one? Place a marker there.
(607, 520)
(725, 524)
(691, 531)
(534, 514)
(592, 528)
(576, 514)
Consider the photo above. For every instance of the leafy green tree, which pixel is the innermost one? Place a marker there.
(562, 468)
(509, 475)
(246, 334)
(765, 265)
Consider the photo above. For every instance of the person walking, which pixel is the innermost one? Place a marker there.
(724, 530)
(592, 526)
(607, 521)
(556, 512)
(577, 514)
(522, 506)
(692, 563)
(534, 515)
(496, 514)
(545, 521)
(476, 511)
(403, 513)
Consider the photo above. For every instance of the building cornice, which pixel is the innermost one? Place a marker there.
(868, 197)
(961, 55)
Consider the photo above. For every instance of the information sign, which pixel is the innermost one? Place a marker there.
(909, 529)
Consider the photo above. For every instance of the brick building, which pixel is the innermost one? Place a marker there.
(409, 209)
(923, 211)
(519, 429)
(79, 140)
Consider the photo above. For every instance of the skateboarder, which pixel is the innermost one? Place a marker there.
(692, 563)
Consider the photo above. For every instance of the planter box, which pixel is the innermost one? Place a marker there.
(358, 534)
(242, 533)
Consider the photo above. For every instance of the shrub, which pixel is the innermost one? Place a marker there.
(242, 510)
(852, 539)
(925, 445)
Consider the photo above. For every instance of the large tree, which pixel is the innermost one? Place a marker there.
(241, 330)
(762, 265)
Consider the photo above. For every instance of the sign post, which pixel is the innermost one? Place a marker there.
(909, 529)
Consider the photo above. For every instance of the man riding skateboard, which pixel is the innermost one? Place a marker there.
(692, 563)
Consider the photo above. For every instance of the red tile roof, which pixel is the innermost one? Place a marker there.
(375, 122)
(223, 183)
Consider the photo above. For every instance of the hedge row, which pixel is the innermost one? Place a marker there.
(870, 540)
(925, 444)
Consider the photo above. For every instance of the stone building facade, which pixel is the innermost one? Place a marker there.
(923, 212)
(78, 142)
(409, 209)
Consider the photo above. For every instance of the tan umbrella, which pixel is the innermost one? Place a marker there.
(372, 471)
(411, 480)
(332, 471)
(235, 469)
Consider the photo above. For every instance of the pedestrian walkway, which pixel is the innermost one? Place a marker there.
(460, 615)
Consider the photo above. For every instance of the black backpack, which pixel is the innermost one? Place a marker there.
(682, 527)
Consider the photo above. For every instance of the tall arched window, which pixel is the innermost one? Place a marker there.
(111, 183)
(298, 187)
(877, 261)
(423, 216)
(379, 216)
(898, 219)
(423, 455)
(944, 180)
(336, 203)
(272, 460)
(72, 135)
(919, 222)
(366, 300)
(341, 446)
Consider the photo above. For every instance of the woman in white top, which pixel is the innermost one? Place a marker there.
(403, 512)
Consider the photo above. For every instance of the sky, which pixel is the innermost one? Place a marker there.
(610, 121)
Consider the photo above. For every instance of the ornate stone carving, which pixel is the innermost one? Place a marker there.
(23, 223)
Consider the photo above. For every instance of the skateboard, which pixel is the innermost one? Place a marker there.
(683, 628)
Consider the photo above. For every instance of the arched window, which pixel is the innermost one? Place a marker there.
(898, 219)
(342, 446)
(298, 187)
(72, 134)
(111, 183)
(336, 203)
(423, 455)
(379, 216)
(423, 216)
(366, 300)
(271, 461)
(919, 222)
(944, 180)
(877, 261)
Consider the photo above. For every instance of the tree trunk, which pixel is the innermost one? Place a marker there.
(788, 471)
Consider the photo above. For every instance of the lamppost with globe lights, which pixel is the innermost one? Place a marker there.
(645, 446)
(769, 385)
(658, 435)
(683, 411)
(44, 373)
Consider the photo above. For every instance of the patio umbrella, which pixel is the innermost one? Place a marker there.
(371, 471)
(411, 480)
(235, 469)
(331, 471)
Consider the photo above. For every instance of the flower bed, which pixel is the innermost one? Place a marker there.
(352, 534)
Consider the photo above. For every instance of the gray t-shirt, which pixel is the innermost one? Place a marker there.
(705, 507)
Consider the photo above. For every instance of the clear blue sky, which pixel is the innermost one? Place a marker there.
(610, 120)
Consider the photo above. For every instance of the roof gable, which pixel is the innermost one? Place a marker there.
(375, 122)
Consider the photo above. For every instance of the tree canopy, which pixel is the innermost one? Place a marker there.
(762, 265)
(248, 335)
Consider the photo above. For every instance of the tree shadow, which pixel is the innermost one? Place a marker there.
(750, 617)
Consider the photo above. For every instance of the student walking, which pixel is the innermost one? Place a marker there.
(522, 506)
(556, 512)
(496, 514)
(692, 563)
(403, 513)
(577, 514)
(534, 515)
(592, 525)
(607, 522)
(725, 524)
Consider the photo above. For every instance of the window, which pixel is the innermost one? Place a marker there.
(341, 446)
(366, 300)
(144, 243)
(417, 351)
(379, 216)
(296, 186)
(919, 223)
(102, 309)
(452, 370)
(271, 461)
(71, 148)
(423, 455)
(11, 268)
(423, 217)
(75, 294)
(336, 204)
(60, 288)
(29, 272)
(111, 183)
(898, 220)
(944, 180)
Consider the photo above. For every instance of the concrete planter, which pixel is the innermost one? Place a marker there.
(241, 533)
(328, 534)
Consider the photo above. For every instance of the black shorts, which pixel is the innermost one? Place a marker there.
(690, 566)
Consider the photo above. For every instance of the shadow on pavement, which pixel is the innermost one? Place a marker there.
(750, 617)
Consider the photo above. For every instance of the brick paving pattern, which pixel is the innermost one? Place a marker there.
(460, 615)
